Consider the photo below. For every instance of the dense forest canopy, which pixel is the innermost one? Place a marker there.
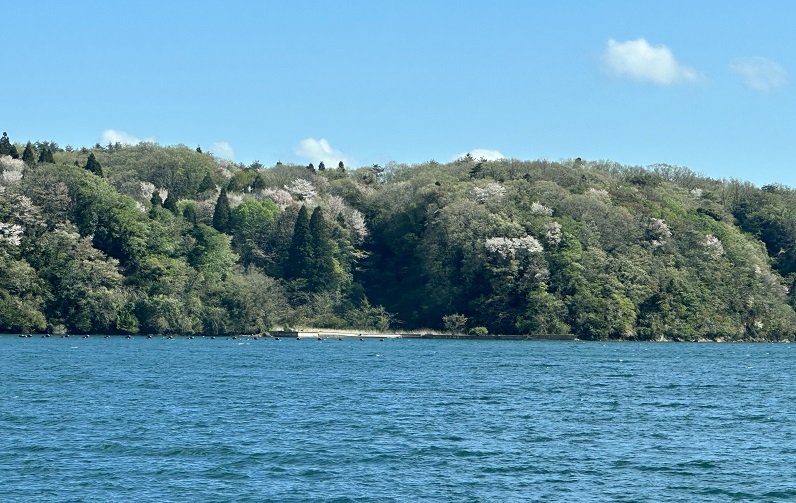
(153, 239)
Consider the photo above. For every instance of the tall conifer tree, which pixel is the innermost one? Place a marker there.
(93, 165)
(171, 203)
(5, 144)
(46, 155)
(221, 214)
(27, 155)
(321, 276)
(299, 257)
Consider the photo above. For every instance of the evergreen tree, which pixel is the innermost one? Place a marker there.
(93, 165)
(156, 200)
(171, 203)
(321, 274)
(259, 182)
(299, 259)
(321, 166)
(5, 144)
(46, 155)
(341, 167)
(221, 214)
(207, 184)
(311, 167)
(14, 153)
(198, 149)
(189, 213)
(27, 155)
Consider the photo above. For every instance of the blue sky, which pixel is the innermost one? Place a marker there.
(705, 84)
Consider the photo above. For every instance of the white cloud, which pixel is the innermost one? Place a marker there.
(114, 136)
(315, 151)
(760, 74)
(223, 150)
(638, 60)
(478, 153)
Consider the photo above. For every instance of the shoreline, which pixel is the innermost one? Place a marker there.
(371, 335)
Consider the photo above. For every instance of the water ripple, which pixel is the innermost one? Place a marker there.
(340, 421)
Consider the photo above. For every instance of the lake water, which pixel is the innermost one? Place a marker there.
(399, 420)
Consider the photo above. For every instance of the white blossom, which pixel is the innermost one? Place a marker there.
(538, 208)
(336, 206)
(490, 192)
(303, 189)
(27, 212)
(358, 225)
(235, 199)
(553, 233)
(11, 169)
(146, 189)
(600, 194)
(714, 246)
(11, 233)
(204, 210)
(659, 232)
(697, 192)
(11, 177)
(281, 197)
(365, 189)
(164, 193)
(509, 247)
(225, 168)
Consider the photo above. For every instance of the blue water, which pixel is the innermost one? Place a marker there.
(400, 420)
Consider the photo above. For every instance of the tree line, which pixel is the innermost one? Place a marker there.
(169, 239)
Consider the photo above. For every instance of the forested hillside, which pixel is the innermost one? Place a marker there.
(153, 239)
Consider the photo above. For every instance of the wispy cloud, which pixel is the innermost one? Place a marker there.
(479, 153)
(223, 150)
(760, 74)
(638, 60)
(315, 151)
(114, 136)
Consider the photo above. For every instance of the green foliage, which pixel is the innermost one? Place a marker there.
(27, 154)
(207, 184)
(92, 165)
(221, 213)
(46, 155)
(171, 203)
(299, 258)
(22, 296)
(156, 200)
(321, 274)
(212, 253)
(479, 331)
(5, 144)
(594, 249)
(253, 224)
(454, 323)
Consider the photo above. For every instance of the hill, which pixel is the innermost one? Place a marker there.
(153, 239)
